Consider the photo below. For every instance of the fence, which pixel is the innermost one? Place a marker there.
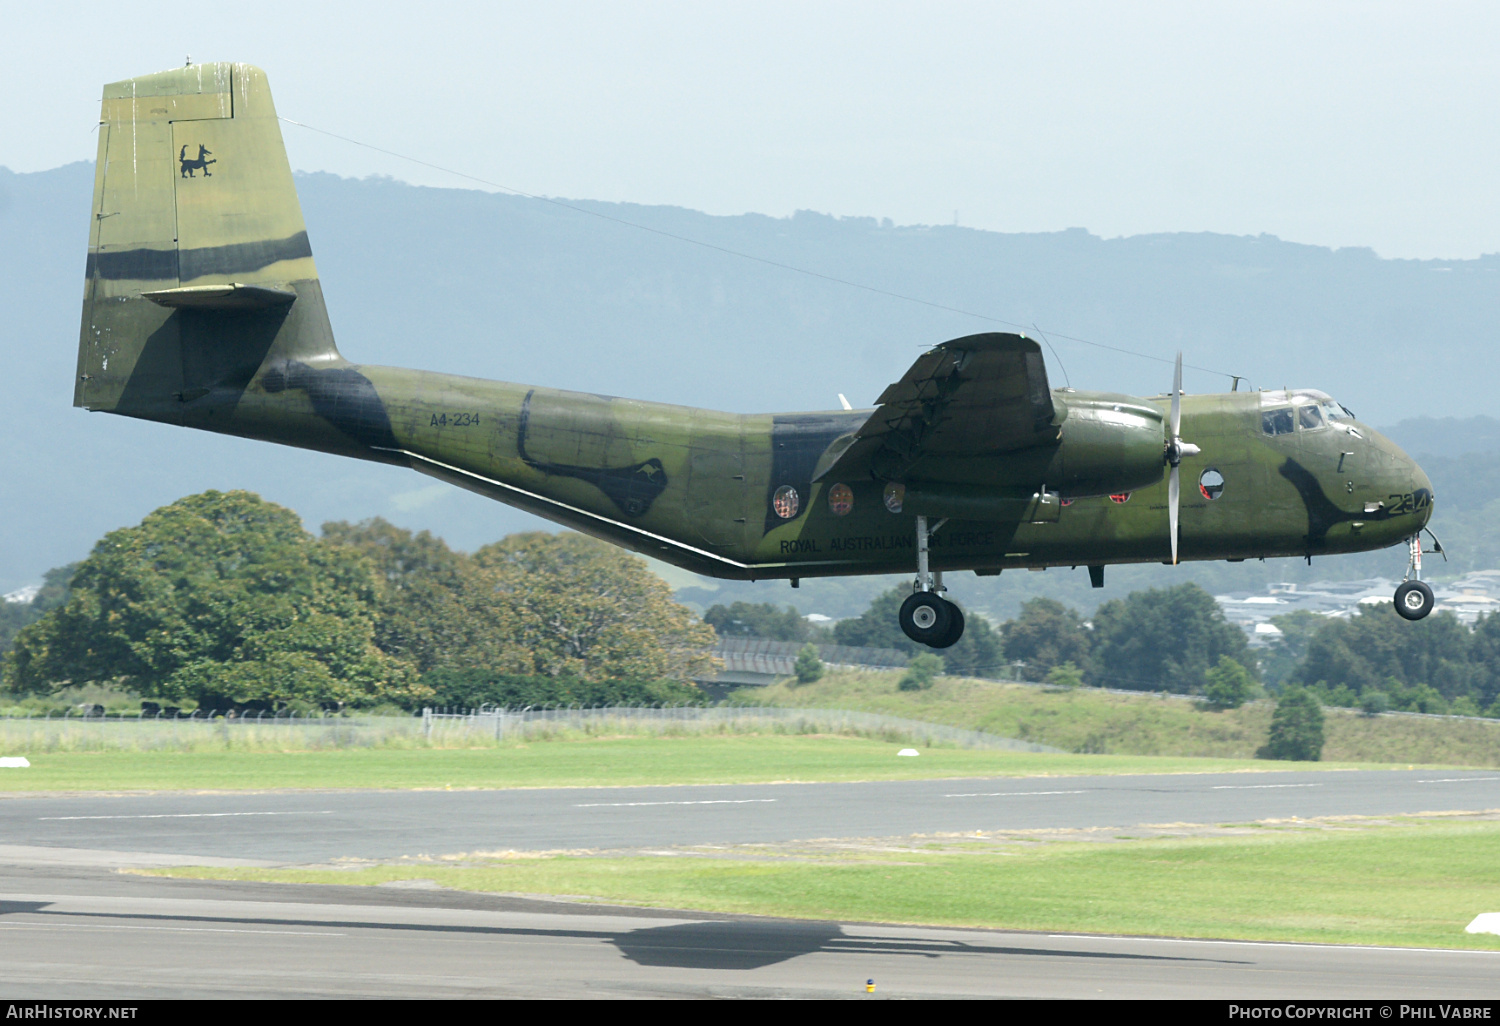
(447, 728)
(524, 723)
(199, 730)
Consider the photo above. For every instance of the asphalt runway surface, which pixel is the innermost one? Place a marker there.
(85, 934)
(301, 826)
(73, 927)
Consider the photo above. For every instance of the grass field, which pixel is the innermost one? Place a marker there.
(715, 759)
(1417, 882)
(1088, 720)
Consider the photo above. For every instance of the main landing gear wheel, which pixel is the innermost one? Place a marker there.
(955, 629)
(927, 619)
(1414, 600)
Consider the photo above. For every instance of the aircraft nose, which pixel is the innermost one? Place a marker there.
(1409, 487)
(1420, 487)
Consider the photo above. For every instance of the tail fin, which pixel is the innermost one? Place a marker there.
(199, 268)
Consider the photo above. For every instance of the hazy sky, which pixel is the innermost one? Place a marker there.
(1346, 124)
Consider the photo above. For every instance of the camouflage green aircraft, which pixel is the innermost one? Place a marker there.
(202, 308)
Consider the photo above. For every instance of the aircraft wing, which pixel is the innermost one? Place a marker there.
(974, 396)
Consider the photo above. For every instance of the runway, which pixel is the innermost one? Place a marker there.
(302, 826)
(72, 927)
(86, 934)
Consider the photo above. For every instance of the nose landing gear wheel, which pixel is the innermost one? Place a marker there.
(1414, 600)
(926, 618)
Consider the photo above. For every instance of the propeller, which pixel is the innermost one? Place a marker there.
(1175, 451)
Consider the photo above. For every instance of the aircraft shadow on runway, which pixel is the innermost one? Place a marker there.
(724, 944)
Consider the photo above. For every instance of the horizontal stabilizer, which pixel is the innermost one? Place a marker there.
(231, 296)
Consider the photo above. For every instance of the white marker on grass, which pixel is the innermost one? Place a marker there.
(908, 751)
(14, 762)
(1485, 922)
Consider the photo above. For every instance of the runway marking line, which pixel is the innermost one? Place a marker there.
(169, 929)
(1256, 787)
(1264, 944)
(1456, 780)
(709, 801)
(1007, 794)
(191, 815)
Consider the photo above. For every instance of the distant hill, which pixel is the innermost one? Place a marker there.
(518, 289)
(1446, 436)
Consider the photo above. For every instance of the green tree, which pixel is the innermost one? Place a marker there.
(921, 672)
(978, 653)
(1484, 657)
(1369, 650)
(1296, 728)
(220, 598)
(435, 607)
(16, 615)
(877, 626)
(1065, 675)
(763, 620)
(1229, 684)
(589, 610)
(1046, 634)
(1279, 659)
(808, 667)
(1163, 639)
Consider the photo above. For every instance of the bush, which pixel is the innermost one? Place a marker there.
(1065, 675)
(921, 672)
(808, 666)
(1373, 703)
(1229, 684)
(1296, 728)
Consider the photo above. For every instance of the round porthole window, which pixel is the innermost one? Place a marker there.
(1120, 497)
(1067, 502)
(895, 496)
(785, 502)
(1211, 484)
(840, 500)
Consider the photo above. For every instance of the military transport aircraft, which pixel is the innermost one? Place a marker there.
(202, 308)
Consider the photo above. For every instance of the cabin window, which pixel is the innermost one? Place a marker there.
(840, 500)
(785, 502)
(1211, 484)
(895, 496)
(1310, 417)
(1120, 497)
(1276, 422)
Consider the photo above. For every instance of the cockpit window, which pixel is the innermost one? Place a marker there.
(1310, 417)
(1337, 411)
(1277, 422)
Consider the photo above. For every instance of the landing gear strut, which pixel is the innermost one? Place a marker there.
(926, 617)
(1413, 596)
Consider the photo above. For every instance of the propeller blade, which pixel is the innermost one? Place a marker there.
(1177, 399)
(1172, 497)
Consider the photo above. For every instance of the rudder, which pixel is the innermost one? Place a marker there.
(199, 266)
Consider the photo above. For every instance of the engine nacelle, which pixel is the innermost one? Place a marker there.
(1109, 444)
